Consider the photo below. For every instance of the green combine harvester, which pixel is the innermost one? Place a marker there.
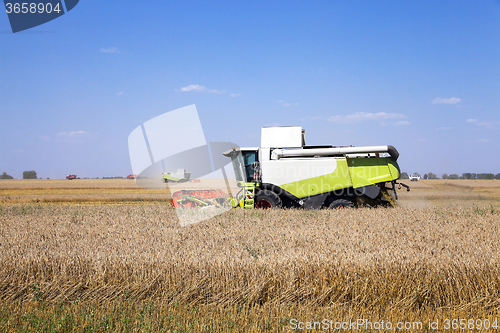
(177, 177)
(285, 172)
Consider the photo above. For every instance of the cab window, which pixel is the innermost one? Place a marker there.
(249, 158)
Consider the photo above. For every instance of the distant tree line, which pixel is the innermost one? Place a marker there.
(29, 174)
(466, 175)
(26, 175)
(32, 175)
(472, 176)
(6, 176)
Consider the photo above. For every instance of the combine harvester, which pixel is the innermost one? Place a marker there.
(178, 177)
(285, 172)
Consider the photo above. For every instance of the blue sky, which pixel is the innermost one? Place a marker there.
(422, 76)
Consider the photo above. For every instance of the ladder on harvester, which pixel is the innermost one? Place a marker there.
(249, 197)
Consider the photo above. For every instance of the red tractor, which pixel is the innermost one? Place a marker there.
(131, 177)
(71, 177)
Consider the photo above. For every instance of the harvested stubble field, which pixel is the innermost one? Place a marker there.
(89, 267)
(78, 191)
(451, 193)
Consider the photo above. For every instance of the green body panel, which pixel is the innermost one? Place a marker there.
(173, 179)
(369, 171)
(354, 172)
(393, 168)
(336, 180)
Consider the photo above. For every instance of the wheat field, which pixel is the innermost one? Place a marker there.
(84, 266)
(244, 270)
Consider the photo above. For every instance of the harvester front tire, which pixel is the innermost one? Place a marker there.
(266, 199)
(340, 204)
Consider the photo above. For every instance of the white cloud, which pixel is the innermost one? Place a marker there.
(482, 140)
(483, 123)
(109, 50)
(120, 93)
(403, 123)
(74, 136)
(74, 133)
(235, 95)
(193, 87)
(366, 116)
(442, 128)
(285, 104)
(198, 88)
(488, 123)
(451, 100)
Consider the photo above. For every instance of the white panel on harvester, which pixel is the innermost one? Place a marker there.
(282, 137)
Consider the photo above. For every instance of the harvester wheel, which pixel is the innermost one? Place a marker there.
(267, 199)
(341, 203)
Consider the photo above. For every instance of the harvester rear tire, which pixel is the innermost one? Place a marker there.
(341, 203)
(266, 199)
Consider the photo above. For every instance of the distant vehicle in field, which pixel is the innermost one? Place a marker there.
(415, 177)
(71, 177)
(177, 177)
(131, 177)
